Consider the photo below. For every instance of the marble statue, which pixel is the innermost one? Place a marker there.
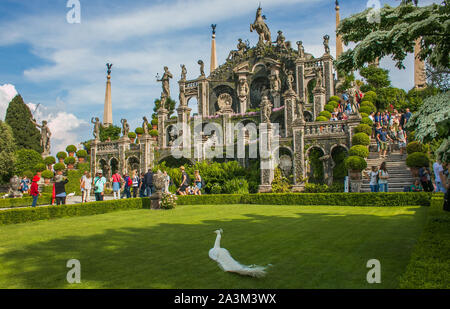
(281, 42)
(318, 72)
(300, 49)
(261, 28)
(125, 127)
(145, 125)
(290, 81)
(165, 82)
(183, 72)
(45, 135)
(326, 40)
(266, 109)
(14, 187)
(202, 67)
(97, 125)
(275, 82)
(299, 108)
(225, 102)
(243, 88)
(241, 50)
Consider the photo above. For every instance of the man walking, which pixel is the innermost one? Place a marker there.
(149, 183)
(99, 185)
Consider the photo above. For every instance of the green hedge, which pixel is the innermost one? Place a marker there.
(21, 215)
(329, 199)
(429, 267)
(45, 199)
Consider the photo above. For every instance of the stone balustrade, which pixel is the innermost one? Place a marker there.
(326, 128)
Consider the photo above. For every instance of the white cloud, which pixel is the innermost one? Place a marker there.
(7, 93)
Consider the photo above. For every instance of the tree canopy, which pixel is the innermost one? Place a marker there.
(169, 105)
(7, 148)
(395, 33)
(26, 160)
(18, 117)
(112, 132)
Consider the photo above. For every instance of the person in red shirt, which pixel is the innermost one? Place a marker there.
(34, 190)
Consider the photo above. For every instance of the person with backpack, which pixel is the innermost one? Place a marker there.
(199, 184)
(128, 183)
(59, 190)
(184, 182)
(135, 181)
(116, 181)
(425, 179)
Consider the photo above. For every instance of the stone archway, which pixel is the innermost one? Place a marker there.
(214, 106)
(284, 159)
(310, 87)
(256, 88)
(114, 165)
(338, 154)
(314, 166)
(133, 165)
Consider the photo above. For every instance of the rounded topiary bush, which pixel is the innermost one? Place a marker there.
(321, 118)
(365, 110)
(139, 130)
(325, 114)
(414, 147)
(216, 189)
(47, 174)
(154, 133)
(132, 135)
(334, 103)
(366, 120)
(82, 153)
(69, 160)
(364, 128)
(355, 163)
(329, 107)
(49, 160)
(361, 139)
(335, 98)
(369, 105)
(59, 167)
(71, 148)
(417, 160)
(155, 121)
(359, 150)
(29, 174)
(61, 155)
(40, 167)
(370, 96)
(364, 115)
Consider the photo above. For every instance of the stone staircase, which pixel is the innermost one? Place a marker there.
(399, 174)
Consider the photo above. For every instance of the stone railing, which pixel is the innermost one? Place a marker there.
(326, 128)
(108, 146)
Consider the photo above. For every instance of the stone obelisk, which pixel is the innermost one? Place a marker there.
(419, 68)
(213, 50)
(339, 48)
(107, 113)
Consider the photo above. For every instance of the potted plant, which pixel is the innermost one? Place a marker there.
(61, 156)
(355, 164)
(132, 136)
(70, 162)
(361, 139)
(39, 168)
(59, 168)
(71, 149)
(47, 175)
(81, 155)
(415, 161)
(154, 134)
(155, 124)
(139, 131)
(49, 161)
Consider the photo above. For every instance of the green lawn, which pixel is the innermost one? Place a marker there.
(309, 247)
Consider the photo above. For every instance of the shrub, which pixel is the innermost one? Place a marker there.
(364, 128)
(322, 188)
(361, 139)
(365, 110)
(368, 104)
(59, 167)
(47, 174)
(83, 167)
(370, 96)
(132, 135)
(82, 153)
(154, 122)
(139, 130)
(366, 120)
(280, 184)
(359, 150)
(71, 148)
(154, 133)
(417, 159)
(26, 160)
(235, 186)
(69, 160)
(363, 115)
(355, 163)
(216, 189)
(61, 155)
(334, 103)
(49, 160)
(414, 147)
(168, 200)
(40, 167)
(325, 114)
(335, 98)
(321, 118)
(29, 174)
(329, 108)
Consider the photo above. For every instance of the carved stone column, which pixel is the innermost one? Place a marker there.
(267, 162)
(228, 132)
(147, 145)
(94, 145)
(290, 100)
(124, 145)
(328, 78)
(319, 100)
(162, 118)
(203, 98)
(301, 86)
(184, 115)
(299, 156)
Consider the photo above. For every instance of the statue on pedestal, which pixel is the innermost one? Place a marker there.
(282, 45)
(261, 28)
(241, 49)
(275, 82)
(326, 40)
(290, 81)
(183, 72)
(202, 67)
(45, 135)
(300, 49)
(125, 127)
(243, 88)
(318, 72)
(145, 125)
(266, 109)
(97, 124)
(165, 82)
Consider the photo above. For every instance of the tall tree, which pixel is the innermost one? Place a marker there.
(18, 117)
(7, 148)
(393, 32)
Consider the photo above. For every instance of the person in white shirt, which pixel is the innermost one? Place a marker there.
(383, 177)
(439, 177)
(373, 178)
(86, 186)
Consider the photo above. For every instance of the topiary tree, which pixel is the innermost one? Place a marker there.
(414, 147)
(132, 135)
(325, 114)
(112, 132)
(321, 118)
(7, 148)
(335, 98)
(355, 163)
(39, 168)
(154, 133)
(139, 130)
(155, 122)
(61, 155)
(334, 103)
(47, 174)
(27, 160)
(49, 160)
(18, 117)
(369, 104)
(329, 107)
(59, 167)
(417, 160)
(359, 150)
(366, 110)
(364, 128)
(367, 121)
(364, 115)
(82, 153)
(361, 139)
(71, 149)
(370, 96)
(69, 160)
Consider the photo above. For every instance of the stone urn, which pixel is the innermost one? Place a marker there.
(158, 182)
(71, 154)
(61, 160)
(59, 172)
(81, 160)
(354, 174)
(14, 188)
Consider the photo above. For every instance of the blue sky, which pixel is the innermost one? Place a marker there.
(62, 65)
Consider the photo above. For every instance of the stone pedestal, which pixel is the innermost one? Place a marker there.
(93, 161)
(299, 155)
(147, 145)
(319, 100)
(355, 186)
(162, 118)
(266, 159)
(155, 200)
(328, 79)
(276, 99)
(124, 145)
(290, 99)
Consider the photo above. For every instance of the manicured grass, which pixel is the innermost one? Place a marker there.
(309, 247)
